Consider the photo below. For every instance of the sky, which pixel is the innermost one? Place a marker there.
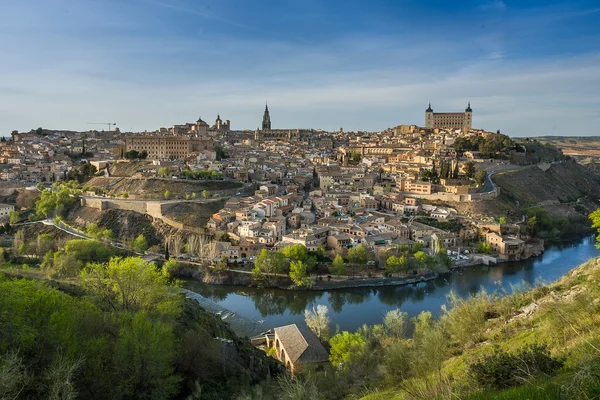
(529, 68)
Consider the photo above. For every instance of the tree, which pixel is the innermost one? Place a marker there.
(484, 247)
(318, 321)
(502, 220)
(131, 284)
(298, 273)
(140, 244)
(164, 172)
(358, 255)
(222, 266)
(345, 346)
(45, 244)
(297, 252)
(396, 264)
(96, 232)
(396, 323)
(469, 169)
(65, 265)
(144, 353)
(167, 195)
(421, 258)
(480, 176)
(205, 194)
(338, 266)
(14, 217)
(267, 264)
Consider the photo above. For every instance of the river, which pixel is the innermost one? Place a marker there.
(351, 308)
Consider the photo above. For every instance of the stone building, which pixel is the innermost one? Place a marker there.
(167, 146)
(296, 346)
(445, 120)
(267, 133)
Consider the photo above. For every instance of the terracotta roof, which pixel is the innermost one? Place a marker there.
(301, 344)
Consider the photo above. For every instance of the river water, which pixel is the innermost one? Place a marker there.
(351, 308)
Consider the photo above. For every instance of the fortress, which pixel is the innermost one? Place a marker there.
(449, 120)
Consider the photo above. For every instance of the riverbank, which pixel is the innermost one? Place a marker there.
(352, 307)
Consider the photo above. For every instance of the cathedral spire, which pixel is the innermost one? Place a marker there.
(266, 122)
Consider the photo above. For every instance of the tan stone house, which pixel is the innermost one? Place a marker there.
(296, 346)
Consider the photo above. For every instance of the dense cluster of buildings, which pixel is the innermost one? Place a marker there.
(320, 189)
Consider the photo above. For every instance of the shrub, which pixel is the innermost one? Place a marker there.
(501, 370)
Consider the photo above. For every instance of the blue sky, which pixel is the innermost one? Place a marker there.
(528, 67)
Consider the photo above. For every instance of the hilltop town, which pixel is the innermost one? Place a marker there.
(402, 204)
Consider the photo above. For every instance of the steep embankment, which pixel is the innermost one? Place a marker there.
(566, 192)
(557, 183)
(564, 316)
(155, 188)
(193, 214)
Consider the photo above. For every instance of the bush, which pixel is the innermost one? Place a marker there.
(501, 370)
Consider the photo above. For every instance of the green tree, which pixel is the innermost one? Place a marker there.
(140, 244)
(484, 247)
(164, 171)
(469, 169)
(299, 252)
(144, 355)
(64, 265)
(480, 176)
(167, 195)
(358, 255)
(44, 244)
(96, 232)
(267, 264)
(338, 266)
(595, 217)
(502, 220)
(345, 346)
(131, 284)
(205, 194)
(298, 273)
(296, 252)
(14, 217)
(396, 264)
(421, 258)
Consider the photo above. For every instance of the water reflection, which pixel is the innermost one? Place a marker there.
(351, 308)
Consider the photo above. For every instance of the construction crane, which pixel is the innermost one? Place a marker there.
(103, 123)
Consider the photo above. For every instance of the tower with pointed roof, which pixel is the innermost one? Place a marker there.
(429, 117)
(266, 122)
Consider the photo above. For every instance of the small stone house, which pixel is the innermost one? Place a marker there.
(297, 346)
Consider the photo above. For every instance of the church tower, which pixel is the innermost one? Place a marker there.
(468, 121)
(429, 117)
(266, 123)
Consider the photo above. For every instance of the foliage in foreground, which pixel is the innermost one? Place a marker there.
(130, 335)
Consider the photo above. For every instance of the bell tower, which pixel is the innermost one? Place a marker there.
(266, 122)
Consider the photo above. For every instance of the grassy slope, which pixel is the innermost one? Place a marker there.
(567, 319)
(565, 182)
(154, 188)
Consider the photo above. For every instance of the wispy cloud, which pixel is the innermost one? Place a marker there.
(495, 5)
(157, 73)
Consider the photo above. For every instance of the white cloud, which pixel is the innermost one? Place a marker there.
(494, 5)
